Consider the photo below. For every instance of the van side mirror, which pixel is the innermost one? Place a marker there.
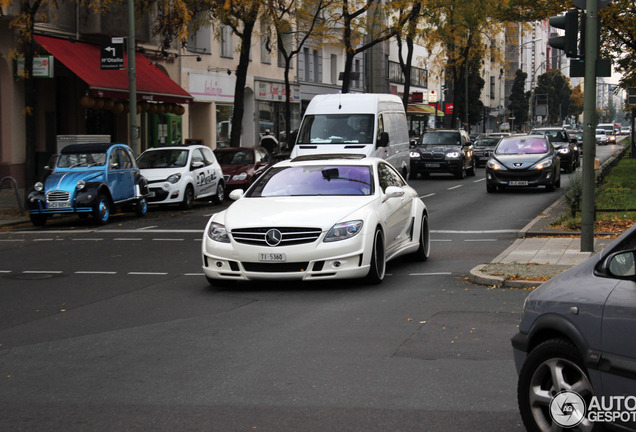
(383, 139)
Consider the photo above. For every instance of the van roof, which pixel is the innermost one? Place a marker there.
(354, 103)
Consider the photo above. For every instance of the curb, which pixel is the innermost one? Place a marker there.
(476, 276)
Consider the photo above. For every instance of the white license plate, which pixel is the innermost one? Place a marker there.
(518, 183)
(53, 205)
(432, 165)
(272, 257)
(151, 194)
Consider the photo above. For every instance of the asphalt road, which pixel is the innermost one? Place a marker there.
(116, 329)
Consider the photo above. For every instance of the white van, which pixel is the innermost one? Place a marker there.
(368, 124)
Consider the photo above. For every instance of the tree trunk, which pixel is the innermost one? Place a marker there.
(239, 89)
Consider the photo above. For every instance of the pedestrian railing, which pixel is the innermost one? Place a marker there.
(15, 188)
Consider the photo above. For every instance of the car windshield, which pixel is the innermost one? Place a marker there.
(72, 160)
(315, 180)
(600, 131)
(522, 146)
(235, 157)
(163, 159)
(486, 142)
(441, 138)
(553, 135)
(336, 129)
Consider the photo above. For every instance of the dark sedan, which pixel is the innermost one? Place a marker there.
(523, 161)
(443, 151)
(483, 147)
(241, 165)
(565, 145)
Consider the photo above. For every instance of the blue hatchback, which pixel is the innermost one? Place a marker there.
(89, 179)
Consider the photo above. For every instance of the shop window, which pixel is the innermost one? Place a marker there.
(223, 125)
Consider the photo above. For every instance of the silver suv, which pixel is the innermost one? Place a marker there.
(575, 351)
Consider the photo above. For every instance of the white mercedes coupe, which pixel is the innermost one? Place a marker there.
(317, 217)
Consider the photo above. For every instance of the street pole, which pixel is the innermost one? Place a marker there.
(132, 79)
(589, 119)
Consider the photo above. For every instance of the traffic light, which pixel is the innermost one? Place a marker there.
(570, 23)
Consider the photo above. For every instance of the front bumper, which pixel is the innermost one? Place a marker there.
(519, 178)
(80, 202)
(165, 193)
(346, 259)
(435, 166)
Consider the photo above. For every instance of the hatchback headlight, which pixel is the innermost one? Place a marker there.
(564, 150)
(81, 185)
(415, 154)
(343, 231)
(174, 178)
(543, 165)
(240, 177)
(217, 232)
(494, 165)
(38, 187)
(453, 155)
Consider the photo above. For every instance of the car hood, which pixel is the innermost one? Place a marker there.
(159, 174)
(309, 212)
(438, 148)
(234, 169)
(526, 160)
(68, 180)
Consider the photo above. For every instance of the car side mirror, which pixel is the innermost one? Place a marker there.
(392, 192)
(197, 164)
(236, 194)
(621, 265)
(383, 139)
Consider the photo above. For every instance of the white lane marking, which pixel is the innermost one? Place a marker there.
(43, 271)
(441, 240)
(147, 273)
(474, 232)
(455, 187)
(43, 239)
(147, 228)
(5, 271)
(480, 180)
(198, 239)
(167, 239)
(480, 240)
(431, 274)
(426, 196)
(194, 274)
(128, 239)
(87, 239)
(97, 272)
(12, 240)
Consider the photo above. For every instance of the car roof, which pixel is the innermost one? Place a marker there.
(174, 147)
(89, 147)
(236, 148)
(331, 159)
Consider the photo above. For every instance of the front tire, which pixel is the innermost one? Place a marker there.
(377, 268)
(38, 220)
(461, 172)
(220, 194)
(553, 360)
(471, 170)
(101, 211)
(188, 198)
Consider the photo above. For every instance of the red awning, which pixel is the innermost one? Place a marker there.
(85, 61)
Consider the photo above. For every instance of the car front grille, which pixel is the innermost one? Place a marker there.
(275, 267)
(58, 196)
(530, 176)
(289, 236)
(433, 155)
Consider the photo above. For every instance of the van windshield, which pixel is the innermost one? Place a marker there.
(336, 129)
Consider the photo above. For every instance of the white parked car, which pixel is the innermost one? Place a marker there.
(182, 174)
(317, 217)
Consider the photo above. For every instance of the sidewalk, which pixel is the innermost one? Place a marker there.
(10, 208)
(539, 254)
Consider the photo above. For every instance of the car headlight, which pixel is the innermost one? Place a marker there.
(564, 150)
(494, 165)
(217, 232)
(38, 187)
(415, 154)
(543, 165)
(81, 185)
(174, 178)
(240, 177)
(452, 155)
(343, 231)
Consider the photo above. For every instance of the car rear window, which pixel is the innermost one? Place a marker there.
(315, 180)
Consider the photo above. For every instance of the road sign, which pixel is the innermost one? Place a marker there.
(432, 96)
(113, 54)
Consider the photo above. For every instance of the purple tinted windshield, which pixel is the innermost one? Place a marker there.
(324, 180)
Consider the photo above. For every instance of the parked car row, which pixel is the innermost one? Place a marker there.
(100, 179)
